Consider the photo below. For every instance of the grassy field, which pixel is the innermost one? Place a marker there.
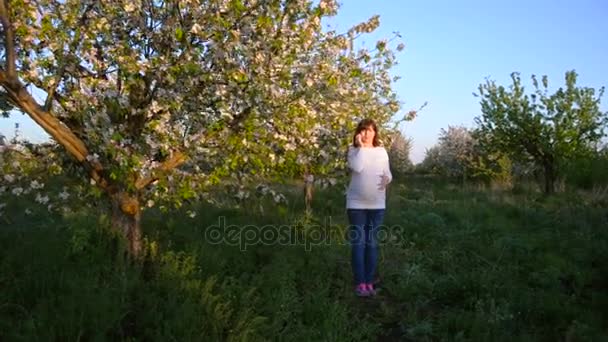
(457, 264)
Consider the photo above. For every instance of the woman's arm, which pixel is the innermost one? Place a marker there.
(355, 159)
(387, 168)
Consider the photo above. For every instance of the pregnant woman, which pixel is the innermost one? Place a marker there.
(365, 202)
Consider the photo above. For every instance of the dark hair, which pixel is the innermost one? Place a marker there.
(364, 124)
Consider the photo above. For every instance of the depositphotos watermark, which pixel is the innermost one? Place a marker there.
(308, 235)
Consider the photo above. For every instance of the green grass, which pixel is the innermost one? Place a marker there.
(462, 265)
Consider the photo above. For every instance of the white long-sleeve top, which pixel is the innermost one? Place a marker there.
(367, 165)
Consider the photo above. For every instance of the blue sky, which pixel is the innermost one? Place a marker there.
(452, 46)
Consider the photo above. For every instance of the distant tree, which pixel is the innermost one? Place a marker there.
(430, 163)
(489, 166)
(455, 151)
(399, 152)
(549, 129)
(458, 155)
(452, 154)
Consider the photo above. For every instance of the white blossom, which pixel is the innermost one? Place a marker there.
(35, 185)
(64, 195)
(196, 28)
(42, 199)
(279, 198)
(93, 157)
(242, 195)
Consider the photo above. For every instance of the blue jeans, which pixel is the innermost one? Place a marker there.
(363, 236)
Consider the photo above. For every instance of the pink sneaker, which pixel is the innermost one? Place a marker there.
(370, 289)
(361, 291)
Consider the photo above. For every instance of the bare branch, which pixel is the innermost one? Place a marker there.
(9, 40)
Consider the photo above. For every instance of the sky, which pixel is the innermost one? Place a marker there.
(453, 46)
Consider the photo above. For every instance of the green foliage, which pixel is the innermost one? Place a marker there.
(491, 167)
(5, 105)
(430, 163)
(491, 266)
(459, 155)
(548, 129)
(588, 171)
(187, 288)
(462, 265)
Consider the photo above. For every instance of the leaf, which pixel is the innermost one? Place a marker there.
(238, 7)
(179, 34)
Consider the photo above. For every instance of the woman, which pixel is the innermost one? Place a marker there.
(365, 202)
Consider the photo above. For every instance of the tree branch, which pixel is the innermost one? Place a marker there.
(176, 160)
(64, 62)
(9, 40)
(54, 127)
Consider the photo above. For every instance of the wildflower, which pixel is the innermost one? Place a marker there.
(278, 198)
(242, 195)
(64, 195)
(42, 199)
(36, 185)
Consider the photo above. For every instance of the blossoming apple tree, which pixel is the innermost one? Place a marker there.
(158, 100)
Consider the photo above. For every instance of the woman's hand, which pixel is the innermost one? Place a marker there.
(384, 180)
(358, 140)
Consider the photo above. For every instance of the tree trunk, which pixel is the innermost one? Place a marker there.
(126, 216)
(549, 170)
(308, 191)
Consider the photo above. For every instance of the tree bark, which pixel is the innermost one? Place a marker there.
(308, 191)
(549, 170)
(126, 219)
